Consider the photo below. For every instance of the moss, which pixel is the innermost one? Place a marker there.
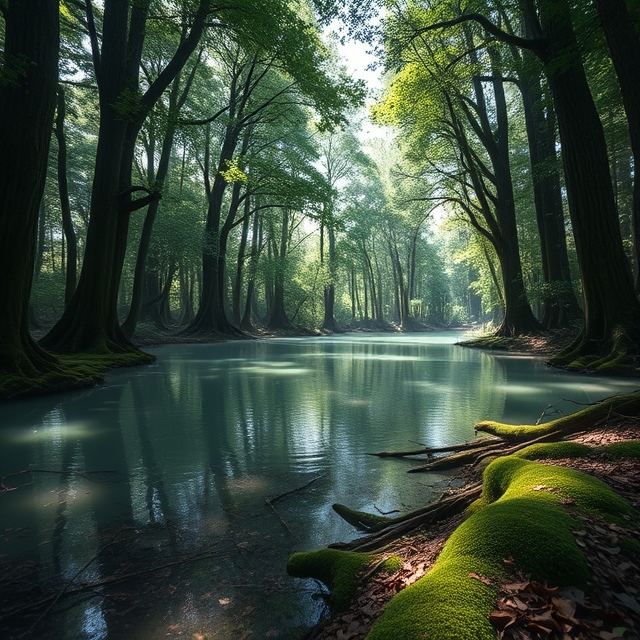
(519, 518)
(623, 405)
(69, 372)
(631, 548)
(392, 565)
(513, 477)
(554, 451)
(623, 450)
(338, 570)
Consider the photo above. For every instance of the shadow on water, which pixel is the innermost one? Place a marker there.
(144, 515)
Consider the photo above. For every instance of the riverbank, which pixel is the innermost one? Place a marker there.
(609, 608)
(531, 610)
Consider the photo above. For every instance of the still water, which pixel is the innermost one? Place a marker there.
(160, 476)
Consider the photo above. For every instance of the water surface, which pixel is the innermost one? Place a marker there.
(169, 466)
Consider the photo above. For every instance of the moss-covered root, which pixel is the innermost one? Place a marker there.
(616, 356)
(361, 519)
(338, 570)
(519, 518)
(627, 405)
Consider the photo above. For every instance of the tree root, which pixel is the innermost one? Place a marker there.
(444, 508)
(431, 450)
(624, 406)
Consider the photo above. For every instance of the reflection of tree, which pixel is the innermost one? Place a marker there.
(217, 420)
(154, 480)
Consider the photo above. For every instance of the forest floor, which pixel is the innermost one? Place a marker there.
(529, 609)
(524, 609)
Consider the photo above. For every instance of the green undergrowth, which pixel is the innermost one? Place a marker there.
(69, 372)
(338, 570)
(520, 520)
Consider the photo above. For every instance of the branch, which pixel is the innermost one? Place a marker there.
(215, 116)
(93, 37)
(533, 44)
(129, 206)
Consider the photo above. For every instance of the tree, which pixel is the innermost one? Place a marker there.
(90, 321)
(624, 45)
(609, 339)
(28, 84)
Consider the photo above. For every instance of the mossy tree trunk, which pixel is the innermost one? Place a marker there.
(27, 107)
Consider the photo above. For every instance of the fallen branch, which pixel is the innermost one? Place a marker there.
(78, 474)
(115, 579)
(444, 508)
(431, 450)
(269, 502)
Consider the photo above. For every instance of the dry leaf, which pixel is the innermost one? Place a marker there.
(501, 619)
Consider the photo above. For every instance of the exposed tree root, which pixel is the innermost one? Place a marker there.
(444, 508)
(623, 406)
(431, 450)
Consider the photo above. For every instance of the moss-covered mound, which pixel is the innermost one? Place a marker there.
(338, 570)
(521, 518)
(629, 450)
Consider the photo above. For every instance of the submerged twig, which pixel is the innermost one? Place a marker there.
(269, 502)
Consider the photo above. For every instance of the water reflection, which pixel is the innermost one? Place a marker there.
(188, 449)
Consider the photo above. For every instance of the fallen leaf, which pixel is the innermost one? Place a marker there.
(566, 607)
(501, 619)
(224, 601)
(628, 601)
(481, 578)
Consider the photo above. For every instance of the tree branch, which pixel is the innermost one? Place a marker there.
(533, 44)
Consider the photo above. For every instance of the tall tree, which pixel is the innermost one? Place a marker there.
(28, 83)
(90, 321)
(609, 339)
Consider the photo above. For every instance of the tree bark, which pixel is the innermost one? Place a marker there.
(27, 107)
(65, 206)
(560, 306)
(90, 322)
(610, 304)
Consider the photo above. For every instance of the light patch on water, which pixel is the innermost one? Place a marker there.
(249, 484)
(592, 387)
(356, 402)
(518, 389)
(94, 625)
(274, 371)
(55, 433)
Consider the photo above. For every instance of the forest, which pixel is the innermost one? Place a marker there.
(189, 171)
(183, 180)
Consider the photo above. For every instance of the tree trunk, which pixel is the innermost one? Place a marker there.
(278, 316)
(27, 107)
(560, 305)
(624, 45)
(610, 305)
(90, 322)
(63, 188)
